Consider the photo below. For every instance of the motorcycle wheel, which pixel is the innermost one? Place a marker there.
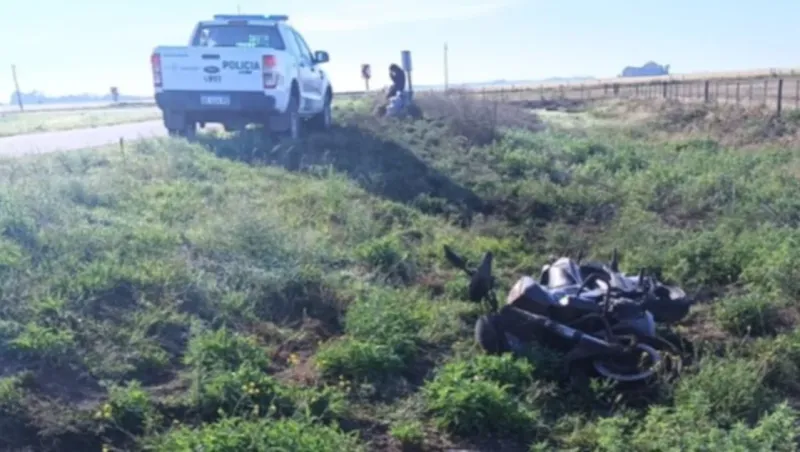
(666, 359)
(628, 369)
(490, 335)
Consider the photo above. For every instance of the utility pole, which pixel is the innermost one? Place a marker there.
(16, 87)
(446, 81)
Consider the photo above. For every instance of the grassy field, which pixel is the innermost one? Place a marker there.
(234, 296)
(16, 123)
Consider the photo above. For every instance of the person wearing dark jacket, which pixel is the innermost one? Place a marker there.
(398, 77)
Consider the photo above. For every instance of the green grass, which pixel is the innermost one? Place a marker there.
(234, 296)
(16, 123)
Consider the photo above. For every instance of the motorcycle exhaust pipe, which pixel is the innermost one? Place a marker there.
(566, 332)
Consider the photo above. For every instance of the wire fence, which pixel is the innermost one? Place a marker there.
(777, 91)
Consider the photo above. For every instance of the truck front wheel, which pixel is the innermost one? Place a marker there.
(323, 119)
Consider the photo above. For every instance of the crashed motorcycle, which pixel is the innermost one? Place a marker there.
(597, 314)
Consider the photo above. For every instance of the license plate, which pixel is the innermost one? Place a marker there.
(215, 100)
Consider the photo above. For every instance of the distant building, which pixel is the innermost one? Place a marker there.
(650, 69)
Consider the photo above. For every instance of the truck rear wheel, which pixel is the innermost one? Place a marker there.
(180, 125)
(189, 131)
(295, 122)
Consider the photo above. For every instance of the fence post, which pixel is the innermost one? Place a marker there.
(797, 93)
(780, 95)
(705, 91)
(738, 85)
(766, 91)
(750, 97)
(727, 91)
(664, 89)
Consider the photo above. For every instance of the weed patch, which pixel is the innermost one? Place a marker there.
(239, 294)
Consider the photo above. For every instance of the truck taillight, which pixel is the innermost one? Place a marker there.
(268, 72)
(155, 62)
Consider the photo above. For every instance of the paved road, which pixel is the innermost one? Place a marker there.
(68, 140)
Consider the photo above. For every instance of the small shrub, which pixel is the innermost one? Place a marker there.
(13, 415)
(665, 429)
(704, 259)
(475, 398)
(506, 370)
(476, 408)
(387, 255)
(355, 359)
(224, 350)
(326, 404)
(243, 390)
(776, 269)
(782, 357)
(728, 390)
(410, 434)
(11, 391)
(262, 435)
(753, 314)
(390, 318)
(43, 343)
(128, 408)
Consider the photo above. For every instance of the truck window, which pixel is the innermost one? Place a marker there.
(305, 53)
(260, 36)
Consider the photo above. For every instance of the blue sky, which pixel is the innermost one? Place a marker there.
(74, 46)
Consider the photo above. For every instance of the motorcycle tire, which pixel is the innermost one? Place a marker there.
(490, 335)
(669, 363)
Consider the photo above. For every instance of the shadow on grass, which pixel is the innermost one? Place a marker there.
(380, 166)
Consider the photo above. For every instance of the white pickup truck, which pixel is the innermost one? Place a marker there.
(242, 69)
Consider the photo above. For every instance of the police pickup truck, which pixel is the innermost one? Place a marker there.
(242, 69)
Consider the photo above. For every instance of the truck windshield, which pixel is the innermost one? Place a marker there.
(261, 36)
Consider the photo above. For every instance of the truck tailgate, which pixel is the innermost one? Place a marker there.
(212, 68)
